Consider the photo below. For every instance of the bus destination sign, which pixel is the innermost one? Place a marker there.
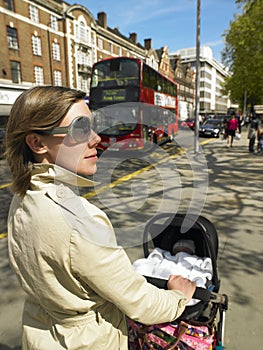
(116, 95)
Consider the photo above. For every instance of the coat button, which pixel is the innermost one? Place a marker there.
(61, 193)
(181, 303)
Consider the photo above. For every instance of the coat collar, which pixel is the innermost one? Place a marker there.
(47, 173)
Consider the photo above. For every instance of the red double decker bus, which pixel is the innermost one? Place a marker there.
(134, 104)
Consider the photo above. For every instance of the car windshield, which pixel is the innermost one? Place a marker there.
(212, 122)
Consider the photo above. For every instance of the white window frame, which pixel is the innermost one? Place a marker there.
(56, 51)
(36, 45)
(33, 13)
(53, 22)
(12, 39)
(100, 43)
(57, 78)
(82, 34)
(39, 75)
(15, 72)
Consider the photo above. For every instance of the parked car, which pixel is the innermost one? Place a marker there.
(188, 123)
(211, 128)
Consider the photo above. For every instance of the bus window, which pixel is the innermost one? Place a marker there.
(115, 73)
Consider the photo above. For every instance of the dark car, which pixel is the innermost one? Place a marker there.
(211, 128)
(188, 124)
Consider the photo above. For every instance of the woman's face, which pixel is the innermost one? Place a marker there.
(64, 151)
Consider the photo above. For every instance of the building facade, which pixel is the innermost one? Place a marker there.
(212, 75)
(49, 42)
(186, 87)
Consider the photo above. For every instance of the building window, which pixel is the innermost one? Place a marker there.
(33, 13)
(110, 47)
(100, 43)
(57, 78)
(120, 51)
(15, 72)
(36, 45)
(83, 82)
(56, 51)
(82, 58)
(82, 31)
(12, 38)
(53, 22)
(39, 75)
(9, 5)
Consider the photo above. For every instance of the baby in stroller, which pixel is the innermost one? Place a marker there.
(183, 244)
(182, 261)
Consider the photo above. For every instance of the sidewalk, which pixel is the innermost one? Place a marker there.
(235, 204)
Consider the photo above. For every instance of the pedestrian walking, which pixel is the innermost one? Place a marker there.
(80, 283)
(253, 133)
(231, 127)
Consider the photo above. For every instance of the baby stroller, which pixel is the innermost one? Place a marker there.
(206, 318)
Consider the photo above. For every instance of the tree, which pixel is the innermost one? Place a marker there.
(243, 54)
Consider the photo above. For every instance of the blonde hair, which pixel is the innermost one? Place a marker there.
(38, 108)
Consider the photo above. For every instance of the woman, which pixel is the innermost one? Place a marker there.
(80, 283)
(232, 125)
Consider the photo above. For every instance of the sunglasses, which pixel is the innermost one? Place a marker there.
(80, 129)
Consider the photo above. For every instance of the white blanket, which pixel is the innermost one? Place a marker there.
(161, 264)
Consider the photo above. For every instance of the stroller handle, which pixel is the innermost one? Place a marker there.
(200, 293)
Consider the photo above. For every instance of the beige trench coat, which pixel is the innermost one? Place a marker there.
(80, 283)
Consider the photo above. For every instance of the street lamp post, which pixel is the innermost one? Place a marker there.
(197, 78)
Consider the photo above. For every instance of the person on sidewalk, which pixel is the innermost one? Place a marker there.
(253, 133)
(232, 126)
(80, 283)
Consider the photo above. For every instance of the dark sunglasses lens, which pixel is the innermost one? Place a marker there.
(81, 129)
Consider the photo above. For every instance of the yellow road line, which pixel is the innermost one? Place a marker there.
(5, 185)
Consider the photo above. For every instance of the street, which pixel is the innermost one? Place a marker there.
(224, 185)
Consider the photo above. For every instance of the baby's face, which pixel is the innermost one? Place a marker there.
(182, 249)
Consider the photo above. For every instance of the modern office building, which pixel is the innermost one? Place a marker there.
(212, 75)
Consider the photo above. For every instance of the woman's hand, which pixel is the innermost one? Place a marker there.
(183, 284)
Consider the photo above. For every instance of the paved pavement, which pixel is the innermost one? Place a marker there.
(236, 208)
(234, 205)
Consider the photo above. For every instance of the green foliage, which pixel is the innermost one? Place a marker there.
(243, 53)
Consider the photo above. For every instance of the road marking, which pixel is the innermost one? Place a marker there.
(5, 185)
(122, 179)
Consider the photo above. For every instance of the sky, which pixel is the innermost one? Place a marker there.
(169, 23)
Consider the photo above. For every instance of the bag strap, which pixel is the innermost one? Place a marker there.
(182, 327)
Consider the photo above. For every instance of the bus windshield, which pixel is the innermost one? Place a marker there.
(114, 73)
(116, 120)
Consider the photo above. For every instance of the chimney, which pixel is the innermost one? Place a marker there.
(102, 19)
(147, 44)
(133, 38)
